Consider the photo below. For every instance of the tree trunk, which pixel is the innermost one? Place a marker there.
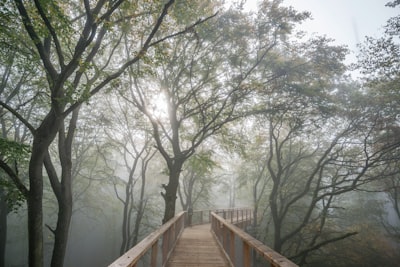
(64, 199)
(276, 220)
(35, 212)
(3, 228)
(138, 220)
(127, 211)
(142, 203)
(255, 216)
(63, 190)
(171, 190)
(273, 201)
(43, 137)
(62, 230)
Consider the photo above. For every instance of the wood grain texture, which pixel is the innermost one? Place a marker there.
(197, 248)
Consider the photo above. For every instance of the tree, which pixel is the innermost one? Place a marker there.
(11, 199)
(361, 212)
(71, 41)
(253, 174)
(14, 90)
(378, 61)
(205, 81)
(309, 178)
(131, 141)
(197, 180)
(308, 172)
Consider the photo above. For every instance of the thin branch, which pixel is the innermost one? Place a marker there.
(317, 246)
(14, 177)
(187, 29)
(51, 229)
(19, 117)
(36, 40)
(147, 44)
(52, 174)
(52, 32)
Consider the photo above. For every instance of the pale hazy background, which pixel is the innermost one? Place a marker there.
(346, 21)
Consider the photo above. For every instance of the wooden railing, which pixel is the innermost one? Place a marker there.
(199, 217)
(155, 249)
(241, 249)
(235, 216)
(165, 238)
(241, 217)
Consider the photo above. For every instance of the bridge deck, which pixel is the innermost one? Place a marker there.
(197, 248)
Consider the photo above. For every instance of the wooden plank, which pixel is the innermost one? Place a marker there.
(197, 248)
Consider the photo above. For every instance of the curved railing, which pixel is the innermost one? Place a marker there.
(233, 215)
(240, 217)
(155, 249)
(241, 249)
(165, 237)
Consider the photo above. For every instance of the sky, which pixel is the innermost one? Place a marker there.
(346, 21)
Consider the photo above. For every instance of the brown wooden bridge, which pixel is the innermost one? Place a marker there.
(203, 239)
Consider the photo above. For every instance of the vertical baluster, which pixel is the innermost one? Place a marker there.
(165, 243)
(154, 251)
(246, 255)
(232, 246)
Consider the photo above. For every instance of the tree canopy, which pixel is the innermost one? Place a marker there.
(108, 102)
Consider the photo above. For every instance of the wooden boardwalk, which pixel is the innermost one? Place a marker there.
(197, 248)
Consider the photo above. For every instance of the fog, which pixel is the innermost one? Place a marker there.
(117, 117)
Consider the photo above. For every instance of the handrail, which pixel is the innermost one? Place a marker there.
(228, 235)
(233, 214)
(237, 216)
(199, 217)
(169, 233)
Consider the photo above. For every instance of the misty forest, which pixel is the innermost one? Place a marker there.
(118, 114)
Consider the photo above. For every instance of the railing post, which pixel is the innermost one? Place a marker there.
(172, 236)
(165, 246)
(246, 255)
(154, 251)
(247, 222)
(165, 237)
(227, 233)
(232, 245)
(190, 215)
(225, 237)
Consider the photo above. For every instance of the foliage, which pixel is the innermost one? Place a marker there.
(12, 196)
(12, 153)
(302, 135)
(77, 44)
(379, 61)
(197, 181)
